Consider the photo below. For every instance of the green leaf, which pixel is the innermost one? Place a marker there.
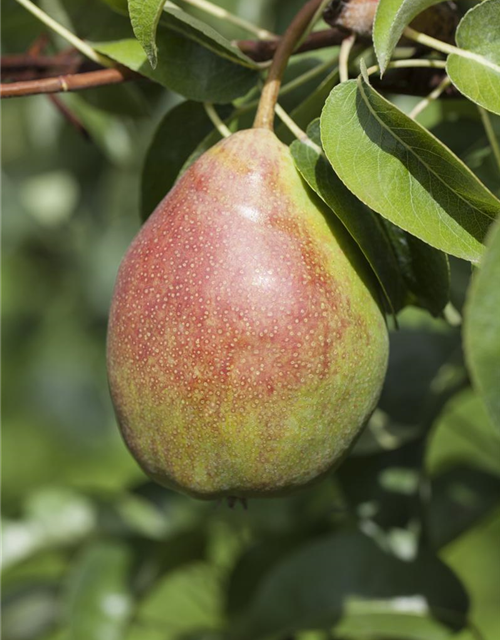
(175, 139)
(100, 602)
(390, 21)
(192, 59)
(362, 224)
(392, 625)
(187, 600)
(55, 517)
(251, 568)
(309, 108)
(30, 610)
(400, 170)
(425, 270)
(477, 75)
(126, 99)
(464, 436)
(460, 498)
(482, 327)
(120, 6)
(347, 574)
(144, 17)
(416, 356)
(185, 67)
(177, 20)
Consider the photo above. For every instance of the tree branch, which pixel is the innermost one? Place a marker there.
(263, 50)
(411, 82)
(72, 82)
(22, 61)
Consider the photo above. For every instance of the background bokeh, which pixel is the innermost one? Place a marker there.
(92, 550)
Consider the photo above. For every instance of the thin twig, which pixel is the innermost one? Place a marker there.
(299, 133)
(68, 115)
(38, 45)
(492, 138)
(216, 120)
(79, 44)
(409, 64)
(433, 95)
(292, 126)
(444, 47)
(256, 49)
(316, 17)
(345, 50)
(219, 12)
(288, 87)
(262, 50)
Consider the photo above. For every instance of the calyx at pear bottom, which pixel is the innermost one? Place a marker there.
(246, 347)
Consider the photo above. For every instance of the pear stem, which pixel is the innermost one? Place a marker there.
(265, 112)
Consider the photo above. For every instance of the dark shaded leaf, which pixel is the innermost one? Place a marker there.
(175, 139)
(425, 270)
(460, 498)
(345, 574)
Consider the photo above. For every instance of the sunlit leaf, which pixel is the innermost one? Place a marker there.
(184, 66)
(476, 74)
(175, 19)
(400, 170)
(390, 20)
(144, 16)
(192, 58)
(361, 223)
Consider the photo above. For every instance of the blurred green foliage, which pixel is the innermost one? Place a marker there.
(401, 542)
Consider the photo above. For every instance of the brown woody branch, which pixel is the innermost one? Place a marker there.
(258, 50)
(22, 61)
(69, 116)
(71, 82)
(263, 50)
(68, 70)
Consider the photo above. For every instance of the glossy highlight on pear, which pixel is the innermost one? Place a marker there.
(246, 348)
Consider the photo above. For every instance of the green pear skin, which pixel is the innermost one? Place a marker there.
(246, 349)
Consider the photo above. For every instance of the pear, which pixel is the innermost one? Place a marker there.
(246, 346)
